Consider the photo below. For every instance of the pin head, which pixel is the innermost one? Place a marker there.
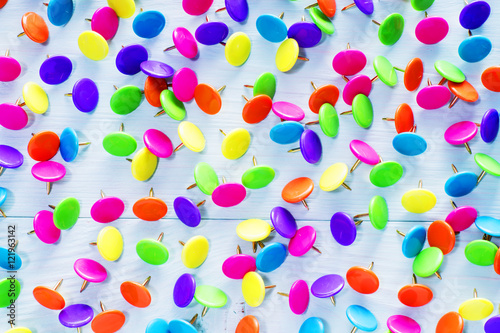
(271, 257)
(362, 110)
(465, 91)
(433, 97)
(237, 49)
(187, 212)
(402, 324)
(418, 201)
(211, 33)
(9, 296)
(287, 55)
(76, 315)
(427, 262)
(253, 230)
(449, 71)
(35, 98)
(152, 251)
(143, 165)
(195, 251)
(360, 84)
(327, 286)
(237, 9)
(297, 189)
(119, 144)
(10, 261)
(450, 322)
(184, 83)
(414, 241)
(474, 14)
(105, 22)
(441, 235)
(157, 325)
(415, 295)
(66, 213)
(110, 243)
(191, 136)
(461, 218)
(288, 111)
(362, 318)
(404, 120)
(257, 109)
(283, 222)
(490, 78)
(253, 289)
(460, 132)
(229, 194)
(43, 224)
(55, 70)
(431, 30)
(235, 267)
(307, 34)
(302, 242)
(85, 95)
(489, 126)
(156, 69)
(481, 252)
(135, 294)
(248, 324)
(3, 195)
(409, 144)
(205, 177)
(364, 152)
(195, 7)
(286, 132)
(207, 98)
(496, 264)
(158, 143)
(148, 24)
(125, 100)
(324, 94)
(310, 146)
(385, 71)
(343, 228)
(333, 177)
(179, 325)
(349, 62)
(48, 171)
(129, 59)
(123, 8)
(492, 324)
(35, 27)
(328, 120)
(386, 173)
(488, 225)
(10, 69)
(49, 298)
(460, 184)
(271, 28)
(184, 289)
(378, 212)
(43, 146)
(90, 270)
(391, 29)
(329, 7)
(210, 297)
(18, 329)
(108, 321)
(107, 209)
(414, 73)
(258, 177)
(474, 48)
(172, 106)
(235, 143)
(312, 325)
(321, 20)
(93, 45)
(68, 144)
(487, 163)
(298, 298)
(476, 309)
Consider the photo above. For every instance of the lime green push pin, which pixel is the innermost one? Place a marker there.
(488, 164)
(210, 297)
(377, 211)
(362, 111)
(328, 120)
(418, 200)
(422, 5)
(9, 291)
(386, 72)
(385, 174)
(391, 29)
(66, 213)
(152, 251)
(481, 252)
(476, 308)
(126, 99)
(265, 84)
(205, 178)
(288, 54)
(258, 176)
(195, 251)
(321, 20)
(428, 262)
(119, 143)
(235, 144)
(171, 106)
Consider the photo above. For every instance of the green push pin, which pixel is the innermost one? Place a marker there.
(125, 99)
(264, 85)
(428, 262)
(152, 251)
(385, 174)
(9, 291)
(328, 120)
(66, 213)
(205, 178)
(449, 72)
(258, 176)
(488, 164)
(377, 211)
(391, 29)
(171, 106)
(421, 5)
(481, 252)
(210, 297)
(119, 143)
(385, 71)
(362, 111)
(321, 20)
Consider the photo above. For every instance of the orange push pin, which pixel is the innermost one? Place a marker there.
(136, 294)
(363, 279)
(34, 27)
(108, 320)
(324, 94)
(256, 108)
(464, 90)
(298, 190)
(208, 98)
(403, 119)
(415, 295)
(49, 297)
(150, 208)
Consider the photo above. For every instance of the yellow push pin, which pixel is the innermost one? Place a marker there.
(418, 200)
(254, 230)
(288, 54)
(333, 177)
(194, 251)
(235, 144)
(254, 289)
(109, 243)
(476, 308)
(191, 137)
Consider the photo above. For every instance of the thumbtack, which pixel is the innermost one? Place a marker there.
(298, 297)
(108, 320)
(49, 297)
(362, 279)
(254, 289)
(90, 271)
(136, 294)
(365, 6)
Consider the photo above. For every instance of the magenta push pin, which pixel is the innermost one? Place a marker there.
(360, 84)
(349, 61)
(13, 116)
(303, 241)
(228, 194)
(298, 297)
(461, 133)
(10, 69)
(364, 153)
(433, 96)
(288, 111)
(107, 209)
(461, 218)
(184, 42)
(44, 227)
(431, 30)
(90, 271)
(48, 172)
(236, 266)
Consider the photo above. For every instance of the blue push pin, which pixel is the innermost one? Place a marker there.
(157, 325)
(490, 226)
(474, 48)
(10, 261)
(237, 9)
(148, 24)
(85, 95)
(307, 34)
(69, 144)
(3, 197)
(129, 59)
(413, 241)
(474, 14)
(361, 318)
(489, 126)
(211, 33)
(271, 257)
(272, 28)
(286, 132)
(312, 325)
(182, 326)
(59, 12)
(461, 183)
(409, 143)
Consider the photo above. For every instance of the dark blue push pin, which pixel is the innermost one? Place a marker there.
(129, 59)
(211, 33)
(489, 126)
(307, 34)
(474, 14)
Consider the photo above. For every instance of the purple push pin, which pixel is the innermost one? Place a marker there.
(211, 33)
(433, 97)
(461, 218)
(310, 146)
(431, 30)
(107, 209)
(228, 194)
(129, 59)
(283, 222)
(492, 325)
(474, 14)
(10, 69)
(105, 22)
(328, 286)
(48, 172)
(364, 6)
(307, 34)
(360, 84)
(303, 241)
(187, 211)
(402, 324)
(184, 83)
(349, 62)
(10, 158)
(237, 9)
(56, 70)
(184, 42)
(489, 126)
(157, 69)
(90, 271)
(461, 133)
(85, 95)
(238, 265)
(343, 228)
(12, 116)
(44, 227)
(288, 111)
(158, 143)
(364, 153)
(76, 315)
(184, 289)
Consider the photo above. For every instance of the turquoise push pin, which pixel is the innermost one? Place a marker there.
(361, 318)
(69, 144)
(474, 48)
(3, 197)
(413, 241)
(461, 183)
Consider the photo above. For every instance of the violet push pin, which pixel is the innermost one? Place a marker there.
(69, 144)
(13, 116)
(334, 177)
(310, 146)
(307, 34)
(328, 286)
(288, 54)
(44, 227)
(488, 164)
(303, 241)
(129, 58)
(85, 95)
(55, 70)
(253, 230)
(136, 294)
(489, 126)
(105, 22)
(343, 228)
(256, 108)
(184, 289)
(283, 222)
(433, 96)
(378, 212)
(238, 265)
(403, 118)
(10, 68)
(361, 318)
(328, 7)
(461, 218)
(157, 69)
(461, 133)
(76, 315)
(415, 295)
(474, 14)
(349, 61)
(391, 29)
(90, 271)
(328, 120)
(365, 6)
(49, 297)
(364, 153)
(362, 279)
(253, 289)
(211, 33)
(324, 94)
(228, 194)
(107, 209)
(297, 190)
(476, 308)
(48, 172)
(461, 183)
(362, 111)
(492, 324)
(431, 30)
(108, 320)
(150, 208)
(237, 9)
(184, 42)
(464, 91)
(298, 297)
(258, 176)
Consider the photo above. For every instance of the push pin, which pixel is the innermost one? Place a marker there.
(402, 323)
(489, 226)
(328, 7)
(228, 194)
(34, 27)
(208, 98)
(209, 297)
(107, 209)
(48, 172)
(378, 212)
(283, 222)
(461, 183)
(10, 261)
(362, 279)
(286, 132)
(66, 213)
(360, 84)
(211, 33)
(307, 34)
(433, 96)
(152, 251)
(85, 95)
(361, 318)
(55, 69)
(153, 87)
(194, 251)
(3, 197)
(126, 99)
(108, 320)
(334, 177)
(449, 72)
(247, 323)
(256, 108)
(451, 321)
(109, 243)
(119, 143)
(476, 308)
(465, 91)
(93, 45)
(105, 22)
(362, 111)
(253, 230)
(43, 145)
(474, 14)
(235, 143)
(143, 164)
(181, 325)
(481, 252)
(391, 29)
(431, 30)
(265, 84)
(150, 208)
(419, 200)
(343, 228)
(490, 78)
(303, 241)
(184, 290)
(288, 111)
(236, 266)
(69, 144)
(488, 164)
(415, 295)
(365, 6)
(461, 218)
(324, 94)
(386, 173)
(461, 133)
(157, 69)
(328, 120)
(44, 227)
(254, 289)
(349, 62)
(136, 294)
(237, 10)
(297, 190)
(441, 235)
(90, 271)
(385, 71)
(403, 118)
(129, 59)
(205, 178)
(184, 83)
(491, 325)
(427, 262)
(298, 297)
(409, 143)
(11, 68)
(328, 286)
(13, 288)
(35, 98)
(272, 28)
(14, 329)
(188, 212)
(237, 49)
(321, 20)
(271, 257)
(288, 54)
(76, 315)
(258, 176)
(364, 153)
(12, 116)
(310, 146)
(158, 143)
(148, 24)
(489, 126)
(474, 48)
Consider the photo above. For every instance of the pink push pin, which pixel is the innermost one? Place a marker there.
(349, 61)
(105, 22)
(402, 324)
(158, 143)
(236, 266)
(303, 241)
(12, 116)
(89, 270)
(461, 218)
(431, 30)
(107, 209)
(44, 228)
(228, 194)
(184, 83)
(433, 97)
(10, 69)
(288, 111)
(364, 153)
(298, 298)
(461, 133)
(360, 84)
(196, 7)
(184, 42)
(48, 172)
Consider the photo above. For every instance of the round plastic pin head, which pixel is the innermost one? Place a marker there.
(492, 324)
(403, 118)
(35, 98)
(287, 55)
(418, 200)
(171, 105)
(238, 265)
(235, 143)
(433, 96)
(385, 174)
(490, 78)
(66, 213)
(43, 145)
(324, 94)
(248, 324)
(10, 68)
(108, 320)
(253, 289)
(55, 70)
(462, 217)
(474, 48)
(76, 315)
(303, 241)
(431, 30)
(288, 111)
(488, 164)
(271, 257)
(474, 14)
(69, 144)
(150, 208)
(10, 290)
(328, 286)
(402, 324)
(409, 143)
(148, 24)
(385, 71)
(441, 235)
(449, 71)
(452, 322)
(229, 194)
(44, 228)
(10, 261)
(414, 72)
(124, 8)
(476, 308)
(361, 318)
(321, 20)
(3, 197)
(211, 33)
(310, 146)
(237, 9)
(119, 143)
(194, 251)
(184, 83)
(378, 212)
(329, 7)
(283, 222)
(210, 297)
(489, 226)
(307, 34)
(109, 243)
(489, 126)
(253, 230)
(188, 212)
(105, 22)
(328, 120)
(125, 100)
(180, 325)
(391, 29)
(461, 183)
(297, 190)
(195, 8)
(191, 136)
(415, 295)
(265, 84)
(93, 45)
(48, 172)
(153, 87)
(90, 271)
(333, 177)
(152, 251)
(343, 228)
(238, 48)
(158, 143)
(107, 209)
(157, 325)
(205, 178)
(363, 153)
(298, 297)
(258, 176)
(184, 289)
(49, 297)
(85, 95)
(312, 325)
(286, 132)
(34, 27)
(136, 294)
(256, 108)
(428, 262)
(362, 111)
(349, 61)
(129, 59)
(365, 6)
(464, 91)
(481, 252)
(144, 165)
(208, 98)
(363, 279)
(272, 28)
(461, 133)
(156, 69)
(360, 84)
